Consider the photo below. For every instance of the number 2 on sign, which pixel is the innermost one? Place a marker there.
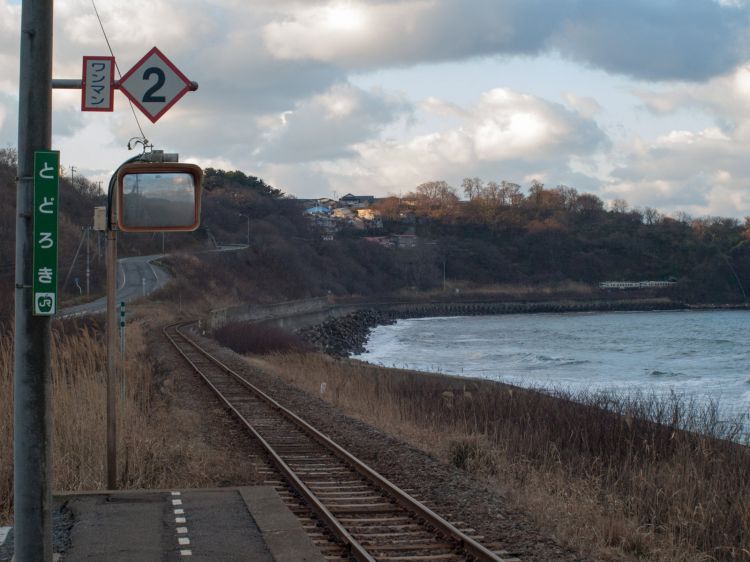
(160, 79)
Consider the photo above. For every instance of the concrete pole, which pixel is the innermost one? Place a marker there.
(111, 359)
(32, 417)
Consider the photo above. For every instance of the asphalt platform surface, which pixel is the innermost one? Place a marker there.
(217, 525)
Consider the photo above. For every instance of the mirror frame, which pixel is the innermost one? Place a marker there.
(159, 168)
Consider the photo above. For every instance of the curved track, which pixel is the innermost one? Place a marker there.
(349, 510)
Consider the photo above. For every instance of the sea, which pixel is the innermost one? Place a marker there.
(697, 355)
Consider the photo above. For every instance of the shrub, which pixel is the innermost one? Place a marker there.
(259, 339)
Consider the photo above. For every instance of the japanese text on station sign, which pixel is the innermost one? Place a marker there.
(46, 205)
(98, 90)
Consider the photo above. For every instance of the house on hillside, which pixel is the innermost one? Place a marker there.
(326, 202)
(343, 213)
(357, 201)
(368, 214)
(320, 217)
(318, 210)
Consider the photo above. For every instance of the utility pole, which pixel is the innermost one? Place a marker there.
(248, 228)
(111, 335)
(32, 415)
(88, 262)
(72, 172)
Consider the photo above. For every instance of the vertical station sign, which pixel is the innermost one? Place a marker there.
(98, 84)
(46, 199)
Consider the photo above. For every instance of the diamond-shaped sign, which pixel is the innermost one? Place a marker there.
(154, 84)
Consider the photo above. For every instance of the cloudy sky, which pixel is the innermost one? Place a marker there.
(646, 100)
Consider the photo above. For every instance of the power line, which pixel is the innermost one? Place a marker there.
(117, 67)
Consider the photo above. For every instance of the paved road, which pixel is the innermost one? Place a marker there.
(136, 277)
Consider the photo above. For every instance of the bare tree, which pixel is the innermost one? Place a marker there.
(436, 197)
(619, 206)
(510, 194)
(472, 187)
(651, 216)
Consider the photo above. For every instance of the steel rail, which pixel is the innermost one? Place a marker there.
(355, 548)
(444, 527)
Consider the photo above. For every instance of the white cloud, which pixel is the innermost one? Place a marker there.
(326, 126)
(506, 135)
(703, 172)
(275, 95)
(642, 38)
(588, 107)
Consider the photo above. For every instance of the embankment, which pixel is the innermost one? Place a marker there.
(341, 329)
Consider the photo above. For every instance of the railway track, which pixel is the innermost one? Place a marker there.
(348, 510)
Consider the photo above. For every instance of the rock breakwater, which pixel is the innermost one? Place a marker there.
(346, 335)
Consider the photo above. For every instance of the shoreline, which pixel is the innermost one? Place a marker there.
(347, 335)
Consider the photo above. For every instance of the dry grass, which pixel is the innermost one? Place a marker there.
(596, 473)
(154, 449)
(6, 424)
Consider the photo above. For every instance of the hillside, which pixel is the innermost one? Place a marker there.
(547, 237)
(500, 235)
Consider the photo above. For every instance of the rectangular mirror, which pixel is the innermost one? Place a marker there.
(158, 197)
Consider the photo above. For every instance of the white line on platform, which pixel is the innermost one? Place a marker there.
(176, 502)
(182, 530)
(179, 511)
(4, 534)
(180, 520)
(176, 493)
(186, 552)
(183, 541)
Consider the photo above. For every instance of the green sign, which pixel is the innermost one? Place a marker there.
(46, 204)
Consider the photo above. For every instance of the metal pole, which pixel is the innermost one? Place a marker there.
(111, 359)
(122, 357)
(248, 231)
(88, 262)
(32, 417)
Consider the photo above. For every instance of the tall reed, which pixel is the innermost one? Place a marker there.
(6, 423)
(658, 478)
(147, 455)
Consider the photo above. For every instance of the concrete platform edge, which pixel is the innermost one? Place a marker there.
(281, 530)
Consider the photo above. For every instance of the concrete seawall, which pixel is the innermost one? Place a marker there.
(341, 329)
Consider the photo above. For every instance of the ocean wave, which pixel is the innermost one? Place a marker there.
(666, 374)
(538, 358)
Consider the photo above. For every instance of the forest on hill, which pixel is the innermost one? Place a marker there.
(498, 234)
(555, 234)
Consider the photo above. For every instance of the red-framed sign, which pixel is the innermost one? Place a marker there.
(98, 85)
(154, 84)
